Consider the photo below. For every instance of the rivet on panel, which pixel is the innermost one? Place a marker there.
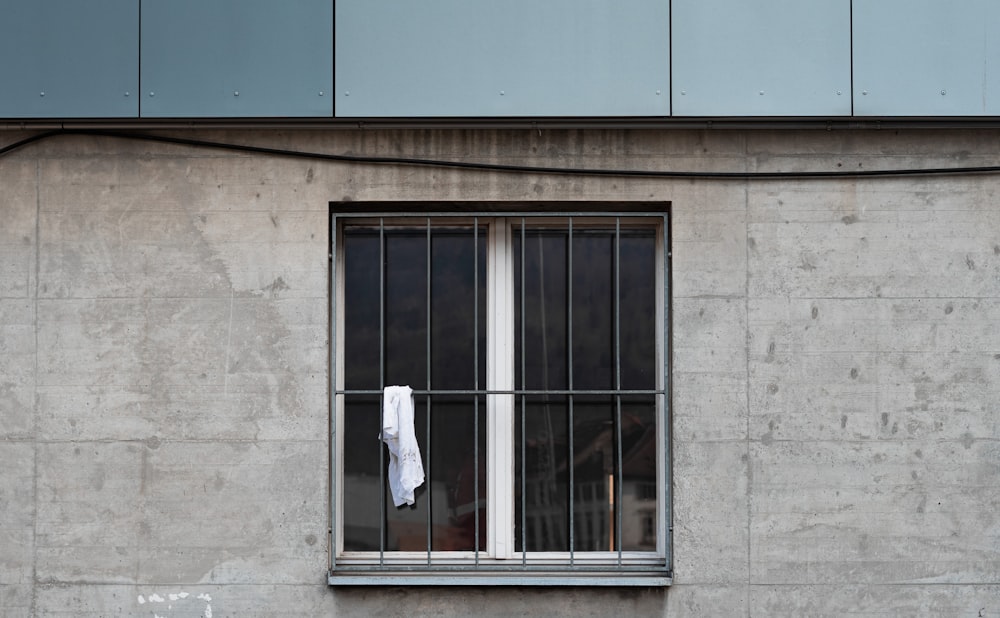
(683, 93)
(320, 93)
(944, 92)
(41, 94)
(657, 93)
(864, 92)
(501, 93)
(761, 93)
(236, 93)
(127, 93)
(152, 94)
(838, 93)
(347, 94)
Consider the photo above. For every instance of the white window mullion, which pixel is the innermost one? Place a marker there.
(500, 377)
(662, 364)
(337, 479)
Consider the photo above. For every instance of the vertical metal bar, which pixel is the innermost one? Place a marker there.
(430, 484)
(524, 386)
(569, 347)
(619, 471)
(475, 380)
(667, 542)
(381, 381)
(332, 326)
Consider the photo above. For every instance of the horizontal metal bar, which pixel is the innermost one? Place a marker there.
(508, 567)
(511, 392)
(479, 579)
(531, 213)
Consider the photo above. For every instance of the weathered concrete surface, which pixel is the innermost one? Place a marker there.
(163, 371)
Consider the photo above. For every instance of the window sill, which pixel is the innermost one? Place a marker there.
(538, 578)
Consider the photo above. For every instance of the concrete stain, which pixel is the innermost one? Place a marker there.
(968, 440)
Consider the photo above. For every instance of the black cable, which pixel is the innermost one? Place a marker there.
(498, 167)
(28, 140)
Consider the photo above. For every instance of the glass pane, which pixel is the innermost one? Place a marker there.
(545, 286)
(639, 487)
(593, 310)
(366, 461)
(406, 308)
(406, 525)
(638, 309)
(446, 508)
(543, 494)
(453, 321)
(362, 482)
(543, 477)
(457, 483)
(361, 312)
(594, 463)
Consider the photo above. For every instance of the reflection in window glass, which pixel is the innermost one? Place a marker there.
(571, 338)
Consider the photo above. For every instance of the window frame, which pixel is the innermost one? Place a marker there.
(500, 563)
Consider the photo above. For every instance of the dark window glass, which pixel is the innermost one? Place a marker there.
(638, 309)
(453, 496)
(585, 320)
(542, 477)
(545, 317)
(569, 445)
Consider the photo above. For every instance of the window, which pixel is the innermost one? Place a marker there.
(535, 344)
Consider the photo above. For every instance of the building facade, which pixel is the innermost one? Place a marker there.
(174, 292)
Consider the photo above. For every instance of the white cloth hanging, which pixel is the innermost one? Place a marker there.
(406, 471)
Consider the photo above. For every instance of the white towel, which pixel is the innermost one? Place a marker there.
(406, 471)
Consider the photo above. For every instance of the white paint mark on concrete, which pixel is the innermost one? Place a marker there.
(174, 597)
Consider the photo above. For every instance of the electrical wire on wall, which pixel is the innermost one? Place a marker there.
(497, 167)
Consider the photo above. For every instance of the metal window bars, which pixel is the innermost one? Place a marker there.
(524, 567)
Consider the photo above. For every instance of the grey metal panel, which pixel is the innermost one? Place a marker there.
(763, 58)
(84, 57)
(926, 58)
(509, 58)
(237, 58)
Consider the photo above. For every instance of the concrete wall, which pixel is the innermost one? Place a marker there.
(163, 357)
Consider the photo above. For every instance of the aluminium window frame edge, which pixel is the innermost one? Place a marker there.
(516, 575)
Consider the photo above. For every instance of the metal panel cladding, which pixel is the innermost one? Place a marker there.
(926, 58)
(237, 58)
(69, 59)
(763, 58)
(467, 58)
